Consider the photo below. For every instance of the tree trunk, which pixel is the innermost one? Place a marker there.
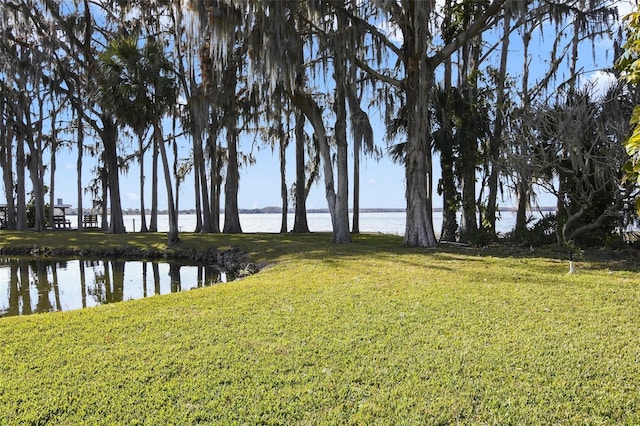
(341, 234)
(197, 188)
(21, 194)
(561, 213)
(34, 161)
(173, 214)
(468, 176)
(419, 227)
(523, 186)
(284, 190)
(449, 195)
(355, 223)
(35, 167)
(103, 199)
(202, 187)
(447, 183)
(305, 103)
(6, 163)
(417, 87)
(198, 195)
(495, 142)
(216, 182)
(523, 203)
(231, 214)
(153, 224)
(143, 212)
(52, 174)
(300, 224)
(80, 154)
(109, 140)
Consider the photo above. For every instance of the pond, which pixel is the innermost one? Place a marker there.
(35, 285)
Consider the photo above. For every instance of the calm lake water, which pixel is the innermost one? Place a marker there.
(29, 286)
(42, 285)
(383, 222)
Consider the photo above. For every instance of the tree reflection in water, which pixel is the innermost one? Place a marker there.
(53, 284)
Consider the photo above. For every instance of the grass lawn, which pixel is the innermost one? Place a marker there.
(366, 333)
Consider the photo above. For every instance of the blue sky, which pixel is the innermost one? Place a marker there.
(382, 181)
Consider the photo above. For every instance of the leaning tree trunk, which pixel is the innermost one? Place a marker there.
(305, 103)
(173, 214)
(153, 224)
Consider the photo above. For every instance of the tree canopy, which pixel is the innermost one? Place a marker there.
(452, 83)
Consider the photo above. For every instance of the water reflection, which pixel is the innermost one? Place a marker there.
(30, 285)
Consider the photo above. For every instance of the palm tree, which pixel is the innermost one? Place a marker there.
(138, 87)
(115, 61)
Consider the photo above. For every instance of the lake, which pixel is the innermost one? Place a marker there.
(29, 286)
(378, 222)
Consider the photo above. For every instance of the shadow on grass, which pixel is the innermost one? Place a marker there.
(270, 247)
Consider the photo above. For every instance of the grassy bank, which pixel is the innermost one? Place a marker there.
(369, 333)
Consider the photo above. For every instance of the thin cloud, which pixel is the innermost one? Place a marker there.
(625, 7)
(600, 82)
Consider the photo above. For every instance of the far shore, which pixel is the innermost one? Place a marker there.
(278, 210)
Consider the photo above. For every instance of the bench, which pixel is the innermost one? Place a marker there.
(61, 222)
(90, 221)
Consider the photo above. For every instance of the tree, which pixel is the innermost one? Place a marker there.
(137, 85)
(579, 148)
(118, 60)
(76, 62)
(629, 65)
(196, 112)
(419, 58)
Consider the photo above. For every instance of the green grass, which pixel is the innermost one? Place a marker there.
(367, 333)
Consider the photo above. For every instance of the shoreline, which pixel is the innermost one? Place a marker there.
(278, 210)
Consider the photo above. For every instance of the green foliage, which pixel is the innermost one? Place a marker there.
(541, 233)
(136, 84)
(629, 65)
(367, 333)
(481, 237)
(31, 210)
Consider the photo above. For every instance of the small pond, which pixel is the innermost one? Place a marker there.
(29, 286)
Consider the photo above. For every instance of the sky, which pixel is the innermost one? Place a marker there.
(382, 183)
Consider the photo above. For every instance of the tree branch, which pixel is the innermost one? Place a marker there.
(474, 29)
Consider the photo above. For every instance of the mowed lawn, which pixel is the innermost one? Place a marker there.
(366, 333)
